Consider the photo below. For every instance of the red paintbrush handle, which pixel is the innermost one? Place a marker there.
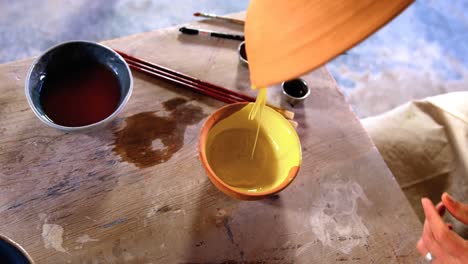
(181, 80)
(179, 74)
(217, 96)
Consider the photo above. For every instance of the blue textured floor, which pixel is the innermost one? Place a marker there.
(28, 27)
(427, 35)
(423, 52)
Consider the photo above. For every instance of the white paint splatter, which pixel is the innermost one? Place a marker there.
(220, 216)
(152, 211)
(43, 217)
(85, 239)
(89, 218)
(221, 213)
(304, 248)
(178, 211)
(335, 221)
(127, 256)
(52, 236)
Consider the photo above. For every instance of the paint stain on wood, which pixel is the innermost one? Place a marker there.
(228, 230)
(135, 143)
(229, 262)
(115, 222)
(164, 209)
(201, 243)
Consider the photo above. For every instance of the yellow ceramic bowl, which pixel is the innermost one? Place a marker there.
(225, 147)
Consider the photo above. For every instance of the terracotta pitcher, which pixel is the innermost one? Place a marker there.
(285, 39)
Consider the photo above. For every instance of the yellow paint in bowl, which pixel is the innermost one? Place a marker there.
(228, 150)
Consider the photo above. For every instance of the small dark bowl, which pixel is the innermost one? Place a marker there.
(75, 52)
(12, 253)
(243, 54)
(295, 91)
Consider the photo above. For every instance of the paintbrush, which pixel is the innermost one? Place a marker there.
(194, 31)
(227, 19)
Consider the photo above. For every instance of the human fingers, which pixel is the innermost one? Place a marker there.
(445, 238)
(456, 208)
(440, 207)
(430, 243)
(422, 249)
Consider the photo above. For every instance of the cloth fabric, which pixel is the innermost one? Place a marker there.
(425, 145)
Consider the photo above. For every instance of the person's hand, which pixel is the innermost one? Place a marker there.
(445, 246)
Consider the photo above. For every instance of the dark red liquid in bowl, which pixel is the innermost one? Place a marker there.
(80, 95)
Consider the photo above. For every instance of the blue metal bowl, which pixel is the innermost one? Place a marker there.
(69, 53)
(12, 253)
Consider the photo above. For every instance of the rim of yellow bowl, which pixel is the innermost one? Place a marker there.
(210, 122)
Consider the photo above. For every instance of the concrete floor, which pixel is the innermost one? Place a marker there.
(423, 52)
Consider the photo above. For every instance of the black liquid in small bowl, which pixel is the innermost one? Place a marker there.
(295, 90)
(12, 253)
(77, 85)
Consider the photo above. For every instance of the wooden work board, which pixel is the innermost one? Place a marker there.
(95, 197)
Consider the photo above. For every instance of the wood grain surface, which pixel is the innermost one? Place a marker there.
(135, 191)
